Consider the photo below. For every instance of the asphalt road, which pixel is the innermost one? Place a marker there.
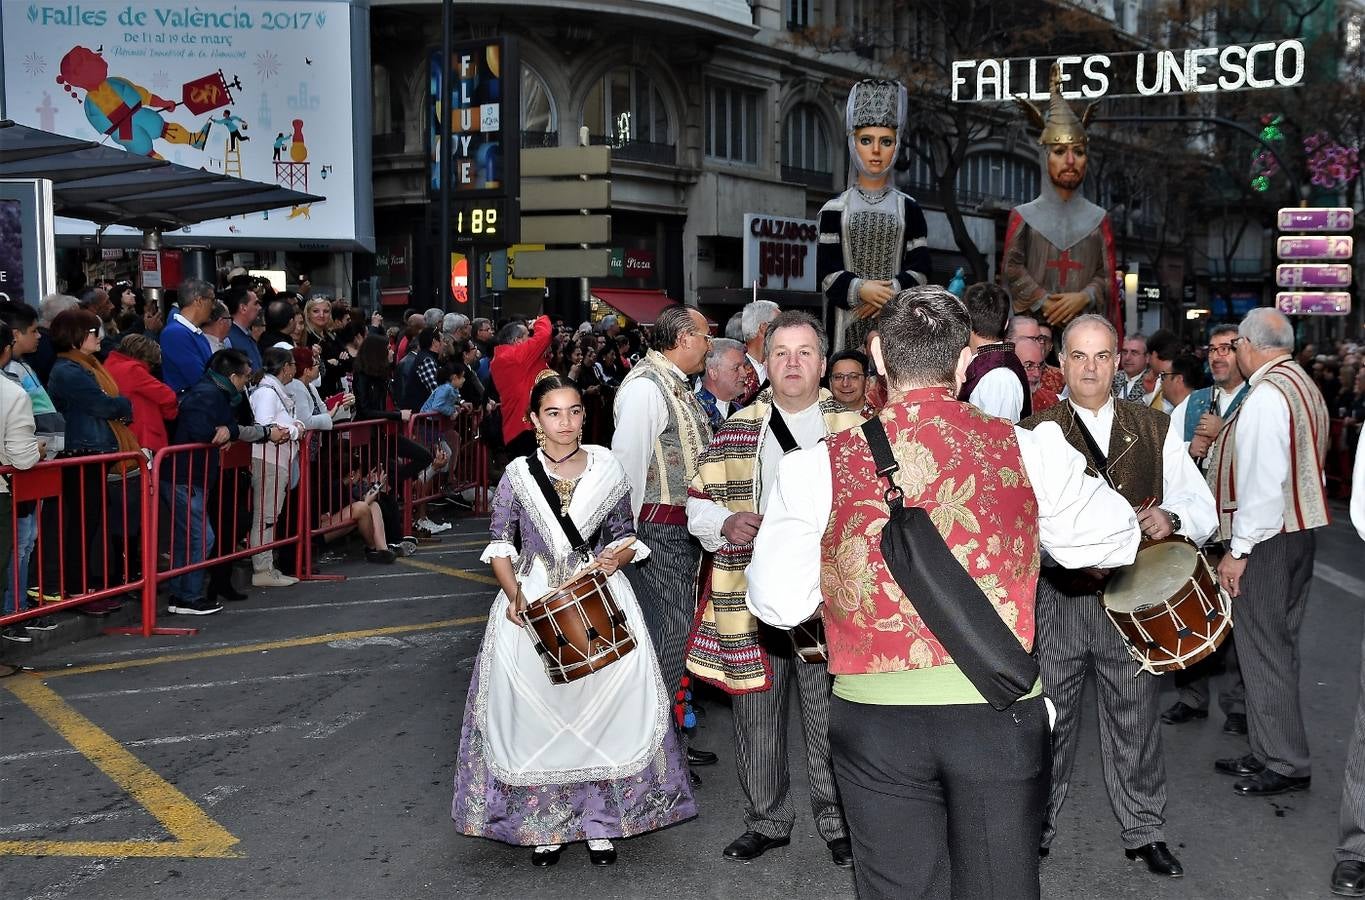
(302, 746)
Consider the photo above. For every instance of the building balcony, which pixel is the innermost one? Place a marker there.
(636, 151)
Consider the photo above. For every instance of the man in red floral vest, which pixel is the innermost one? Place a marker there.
(943, 794)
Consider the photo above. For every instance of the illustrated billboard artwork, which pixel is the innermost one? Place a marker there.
(255, 89)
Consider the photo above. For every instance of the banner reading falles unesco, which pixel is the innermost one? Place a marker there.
(257, 89)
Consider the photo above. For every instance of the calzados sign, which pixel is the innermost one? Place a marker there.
(1236, 67)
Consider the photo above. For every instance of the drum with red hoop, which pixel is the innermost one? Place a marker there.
(1168, 606)
(578, 629)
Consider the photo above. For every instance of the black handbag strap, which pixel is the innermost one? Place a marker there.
(552, 499)
(778, 426)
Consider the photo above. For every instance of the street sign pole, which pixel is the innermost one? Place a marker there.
(443, 107)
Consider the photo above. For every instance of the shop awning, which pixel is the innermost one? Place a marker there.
(109, 186)
(638, 306)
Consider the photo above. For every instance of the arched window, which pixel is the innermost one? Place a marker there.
(805, 144)
(539, 116)
(996, 175)
(626, 110)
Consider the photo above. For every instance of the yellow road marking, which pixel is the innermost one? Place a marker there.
(195, 833)
(259, 648)
(450, 570)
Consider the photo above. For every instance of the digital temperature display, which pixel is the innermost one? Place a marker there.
(485, 222)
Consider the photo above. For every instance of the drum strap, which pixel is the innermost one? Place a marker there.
(948, 599)
(1100, 457)
(778, 426)
(547, 489)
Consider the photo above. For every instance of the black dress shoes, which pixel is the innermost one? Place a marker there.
(694, 778)
(1235, 723)
(841, 851)
(1268, 782)
(1239, 766)
(1181, 713)
(605, 857)
(546, 858)
(701, 757)
(1348, 878)
(1159, 860)
(752, 845)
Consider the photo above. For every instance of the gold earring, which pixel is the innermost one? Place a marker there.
(540, 438)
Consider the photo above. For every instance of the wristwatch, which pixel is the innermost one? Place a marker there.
(1235, 555)
(1175, 520)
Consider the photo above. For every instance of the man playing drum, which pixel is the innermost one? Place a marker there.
(1142, 455)
(729, 648)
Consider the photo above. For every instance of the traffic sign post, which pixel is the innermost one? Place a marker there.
(1315, 241)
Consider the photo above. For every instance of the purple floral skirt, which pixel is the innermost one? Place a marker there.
(657, 796)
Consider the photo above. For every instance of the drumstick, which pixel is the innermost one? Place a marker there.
(595, 565)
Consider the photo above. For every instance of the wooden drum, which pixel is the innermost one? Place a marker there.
(578, 629)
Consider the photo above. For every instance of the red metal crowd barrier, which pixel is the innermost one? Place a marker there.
(97, 531)
(465, 467)
(87, 514)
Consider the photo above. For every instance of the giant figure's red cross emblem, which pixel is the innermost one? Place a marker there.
(1064, 265)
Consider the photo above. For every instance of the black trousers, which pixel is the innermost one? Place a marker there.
(943, 801)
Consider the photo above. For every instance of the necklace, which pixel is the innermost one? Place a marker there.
(874, 196)
(564, 458)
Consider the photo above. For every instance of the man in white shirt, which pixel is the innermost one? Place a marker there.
(1202, 414)
(996, 382)
(932, 779)
(754, 319)
(1131, 378)
(729, 648)
(1142, 454)
(661, 431)
(1267, 472)
(1348, 878)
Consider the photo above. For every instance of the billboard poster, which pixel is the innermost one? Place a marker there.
(12, 251)
(256, 89)
(478, 123)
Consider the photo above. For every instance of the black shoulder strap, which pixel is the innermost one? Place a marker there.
(875, 433)
(551, 496)
(1101, 458)
(778, 426)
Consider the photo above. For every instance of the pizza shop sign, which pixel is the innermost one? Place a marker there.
(779, 254)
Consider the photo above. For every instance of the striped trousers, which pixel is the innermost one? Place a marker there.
(1351, 843)
(1074, 636)
(1266, 618)
(762, 723)
(665, 586)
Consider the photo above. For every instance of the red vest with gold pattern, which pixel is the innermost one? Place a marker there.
(964, 468)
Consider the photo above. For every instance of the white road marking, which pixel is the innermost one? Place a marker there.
(1337, 578)
(234, 682)
(327, 729)
(161, 741)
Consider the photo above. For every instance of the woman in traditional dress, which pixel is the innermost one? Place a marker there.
(873, 239)
(544, 764)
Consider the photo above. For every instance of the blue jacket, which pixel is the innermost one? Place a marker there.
(240, 339)
(203, 408)
(184, 356)
(1201, 401)
(86, 408)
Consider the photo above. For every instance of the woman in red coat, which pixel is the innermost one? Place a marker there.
(153, 401)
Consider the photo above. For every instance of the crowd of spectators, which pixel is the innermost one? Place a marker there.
(105, 372)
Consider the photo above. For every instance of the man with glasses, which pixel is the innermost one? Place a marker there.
(848, 379)
(1267, 472)
(1202, 415)
(1030, 355)
(661, 431)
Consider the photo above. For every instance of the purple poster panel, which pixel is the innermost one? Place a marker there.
(1326, 303)
(1323, 246)
(1327, 275)
(1316, 218)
